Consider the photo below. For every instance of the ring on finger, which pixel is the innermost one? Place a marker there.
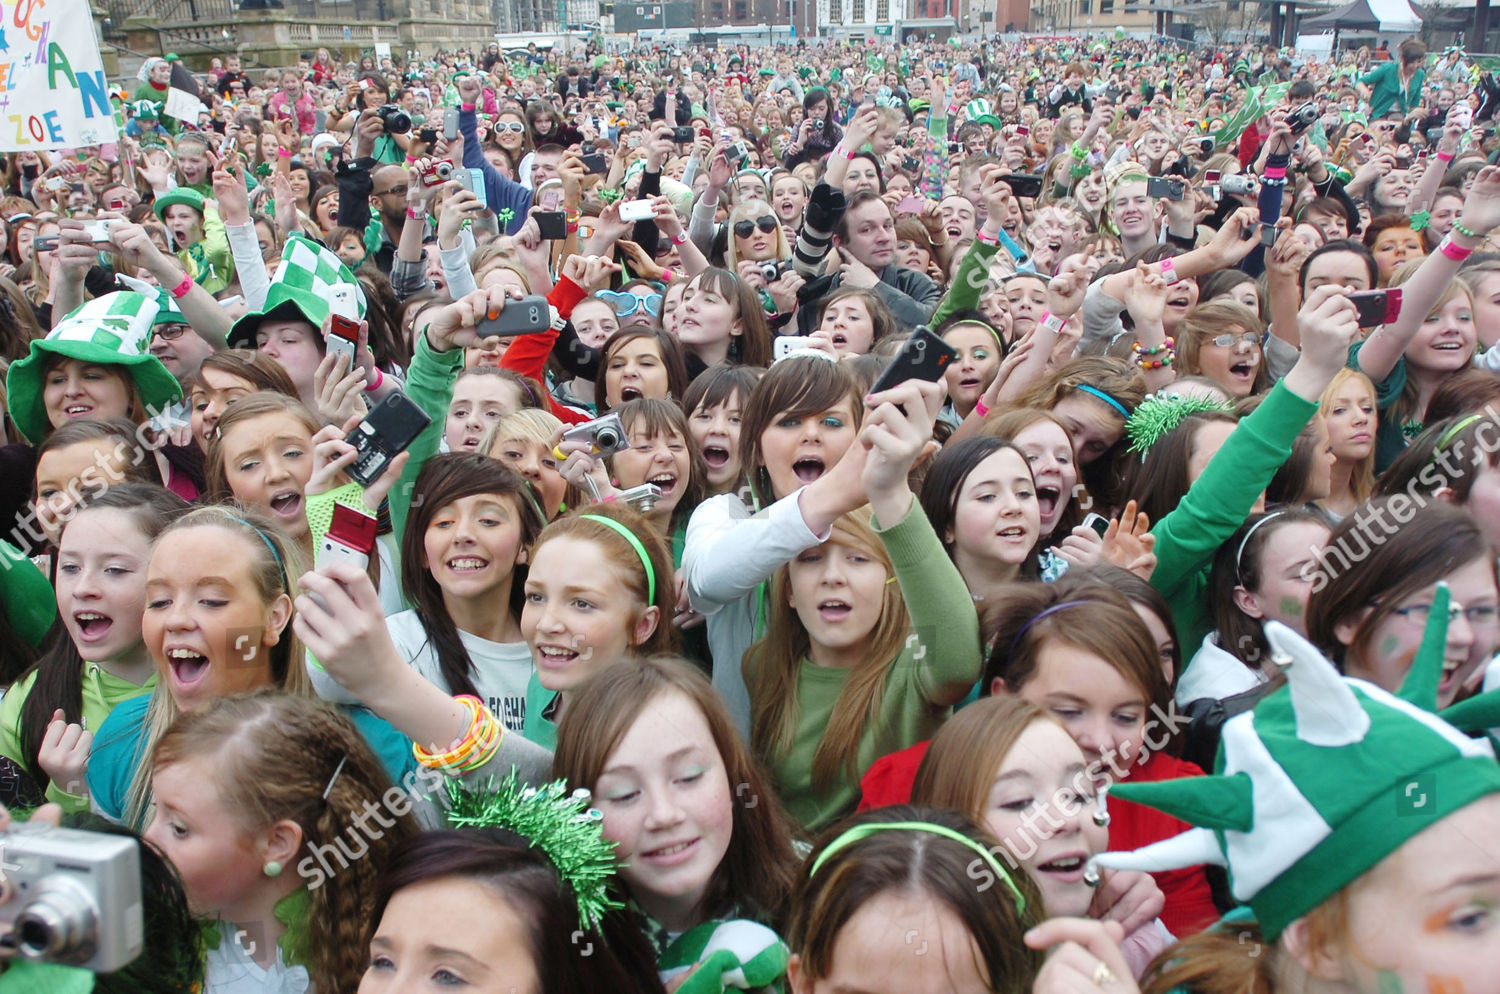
(1103, 975)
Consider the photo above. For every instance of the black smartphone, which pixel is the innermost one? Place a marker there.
(954, 148)
(428, 136)
(1377, 307)
(384, 434)
(526, 316)
(1024, 184)
(46, 243)
(553, 224)
(1161, 188)
(924, 357)
(595, 164)
(683, 135)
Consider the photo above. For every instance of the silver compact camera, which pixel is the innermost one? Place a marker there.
(71, 897)
(605, 435)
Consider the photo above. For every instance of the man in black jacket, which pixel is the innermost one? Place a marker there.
(865, 239)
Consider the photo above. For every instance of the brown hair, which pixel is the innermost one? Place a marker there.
(248, 408)
(1208, 320)
(623, 555)
(760, 866)
(914, 862)
(667, 347)
(1007, 424)
(797, 387)
(296, 759)
(960, 765)
(255, 368)
(654, 418)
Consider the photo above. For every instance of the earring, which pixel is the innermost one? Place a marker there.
(1101, 813)
(272, 868)
(1091, 874)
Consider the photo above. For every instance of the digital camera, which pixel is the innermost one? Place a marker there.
(1240, 185)
(1303, 118)
(438, 173)
(605, 435)
(396, 120)
(72, 897)
(773, 270)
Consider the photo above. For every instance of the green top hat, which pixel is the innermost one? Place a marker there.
(310, 282)
(112, 330)
(1322, 780)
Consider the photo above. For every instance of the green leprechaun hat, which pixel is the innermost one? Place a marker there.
(310, 282)
(112, 330)
(1321, 781)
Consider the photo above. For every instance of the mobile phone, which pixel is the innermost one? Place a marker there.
(98, 230)
(924, 357)
(1023, 131)
(787, 344)
(594, 164)
(226, 147)
(909, 205)
(1098, 522)
(1211, 176)
(549, 197)
(1025, 184)
(637, 210)
(450, 123)
(1465, 115)
(526, 316)
(605, 436)
(1366, 137)
(683, 135)
(1377, 307)
(46, 243)
(428, 136)
(75, 188)
(954, 148)
(343, 338)
(1403, 162)
(117, 204)
(553, 225)
(469, 180)
(351, 539)
(1161, 188)
(1433, 134)
(384, 434)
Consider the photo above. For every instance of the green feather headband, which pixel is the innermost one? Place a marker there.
(562, 825)
(1158, 415)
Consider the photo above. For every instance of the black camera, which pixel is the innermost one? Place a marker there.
(396, 120)
(819, 124)
(1303, 118)
(773, 270)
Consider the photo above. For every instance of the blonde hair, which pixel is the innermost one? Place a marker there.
(274, 562)
(773, 663)
(1362, 476)
(749, 210)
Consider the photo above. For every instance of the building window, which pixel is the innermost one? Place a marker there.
(1085, 6)
(836, 11)
(1106, 6)
(882, 11)
(859, 11)
(741, 11)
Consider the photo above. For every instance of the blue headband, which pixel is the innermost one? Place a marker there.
(1095, 391)
(275, 552)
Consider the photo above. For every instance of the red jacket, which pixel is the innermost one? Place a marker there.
(528, 354)
(1190, 906)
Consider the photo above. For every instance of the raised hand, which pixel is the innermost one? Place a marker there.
(64, 754)
(1129, 544)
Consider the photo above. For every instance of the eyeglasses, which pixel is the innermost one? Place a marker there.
(515, 126)
(744, 229)
(1482, 614)
(1225, 341)
(626, 304)
(395, 191)
(169, 332)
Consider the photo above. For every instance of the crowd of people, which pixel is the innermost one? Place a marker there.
(486, 521)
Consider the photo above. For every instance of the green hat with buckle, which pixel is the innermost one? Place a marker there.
(112, 330)
(310, 282)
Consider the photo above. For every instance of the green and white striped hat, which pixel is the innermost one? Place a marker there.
(980, 112)
(310, 282)
(1322, 780)
(112, 330)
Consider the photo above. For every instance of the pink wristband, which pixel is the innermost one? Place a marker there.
(379, 379)
(181, 290)
(1455, 252)
(466, 106)
(1445, 156)
(980, 408)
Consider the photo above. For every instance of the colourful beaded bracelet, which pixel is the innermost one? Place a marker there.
(478, 746)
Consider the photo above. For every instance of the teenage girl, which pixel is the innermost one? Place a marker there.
(524, 441)
(80, 461)
(662, 451)
(598, 589)
(699, 834)
(1371, 595)
(839, 679)
(800, 420)
(720, 320)
(262, 456)
(1457, 461)
(715, 402)
(226, 376)
(1347, 408)
(481, 396)
(639, 362)
(258, 801)
(49, 715)
(889, 880)
(1006, 764)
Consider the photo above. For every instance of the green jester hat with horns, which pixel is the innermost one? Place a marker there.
(1323, 779)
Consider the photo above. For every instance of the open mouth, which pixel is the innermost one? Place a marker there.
(666, 481)
(954, 231)
(1046, 500)
(92, 626)
(715, 456)
(1015, 533)
(808, 469)
(471, 441)
(630, 393)
(286, 504)
(555, 657)
(1066, 867)
(1244, 369)
(188, 666)
(677, 852)
(839, 339)
(78, 410)
(835, 610)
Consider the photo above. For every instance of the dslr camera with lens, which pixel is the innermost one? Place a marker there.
(396, 120)
(71, 897)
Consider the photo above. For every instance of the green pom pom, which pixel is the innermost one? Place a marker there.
(1158, 415)
(561, 824)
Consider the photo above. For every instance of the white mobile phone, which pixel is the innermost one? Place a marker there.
(1098, 522)
(788, 344)
(637, 210)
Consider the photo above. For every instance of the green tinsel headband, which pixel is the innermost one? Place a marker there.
(1158, 415)
(561, 824)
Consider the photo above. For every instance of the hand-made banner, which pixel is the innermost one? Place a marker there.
(53, 91)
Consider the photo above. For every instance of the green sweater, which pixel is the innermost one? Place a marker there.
(963, 292)
(1217, 504)
(429, 383)
(938, 666)
(102, 690)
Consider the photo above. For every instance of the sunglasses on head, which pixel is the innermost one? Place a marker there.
(626, 304)
(744, 229)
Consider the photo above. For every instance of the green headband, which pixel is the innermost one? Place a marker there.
(1451, 433)
(861, 832)
(635, 544)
